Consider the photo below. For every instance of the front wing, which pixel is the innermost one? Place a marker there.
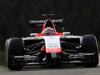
(34, 60)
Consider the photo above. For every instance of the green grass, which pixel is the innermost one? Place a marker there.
(2, 58)
(99, 46)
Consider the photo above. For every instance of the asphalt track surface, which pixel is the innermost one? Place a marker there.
(65, 70)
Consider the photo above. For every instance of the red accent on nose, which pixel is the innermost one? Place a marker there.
(57, 50)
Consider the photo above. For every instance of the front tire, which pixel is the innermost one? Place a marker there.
(89, 45)
(13, 46)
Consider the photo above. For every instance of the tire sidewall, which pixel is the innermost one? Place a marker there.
(89, 45)
(14, 46)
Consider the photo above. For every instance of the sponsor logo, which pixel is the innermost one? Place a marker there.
(43, 21)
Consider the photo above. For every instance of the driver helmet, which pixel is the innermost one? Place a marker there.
(49, 31)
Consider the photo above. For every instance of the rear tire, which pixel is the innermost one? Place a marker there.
(13, 46)
(89, 45)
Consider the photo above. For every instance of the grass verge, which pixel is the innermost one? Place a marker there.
(99, 46)
(2, 58)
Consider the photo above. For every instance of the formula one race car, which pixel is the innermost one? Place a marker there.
(50, 47)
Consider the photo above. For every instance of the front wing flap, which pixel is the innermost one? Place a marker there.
(34, 60)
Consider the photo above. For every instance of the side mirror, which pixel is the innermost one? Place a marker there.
(33, 34)
(66, 33)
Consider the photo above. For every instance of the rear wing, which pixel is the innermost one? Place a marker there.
(40, 23)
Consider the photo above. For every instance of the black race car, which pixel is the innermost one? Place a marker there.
(50, 47)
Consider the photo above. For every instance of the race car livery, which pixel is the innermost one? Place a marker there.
(50, 47)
